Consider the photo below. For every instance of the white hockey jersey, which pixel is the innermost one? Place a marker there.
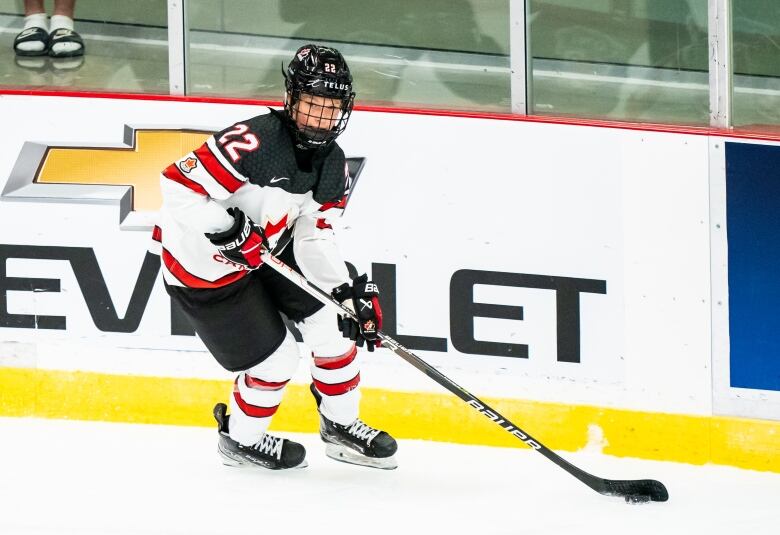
(251, 165)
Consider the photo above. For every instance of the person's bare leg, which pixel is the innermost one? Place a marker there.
(31, 7)
(64, 7)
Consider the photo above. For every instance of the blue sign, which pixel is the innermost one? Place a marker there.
(753, 219)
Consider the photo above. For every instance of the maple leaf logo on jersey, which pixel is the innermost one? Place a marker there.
(189, 164)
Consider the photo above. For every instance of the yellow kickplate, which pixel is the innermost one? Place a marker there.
(740, 442)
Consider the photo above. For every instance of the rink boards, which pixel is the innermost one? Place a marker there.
(575, 276)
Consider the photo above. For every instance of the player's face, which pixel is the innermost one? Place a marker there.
(321, 113)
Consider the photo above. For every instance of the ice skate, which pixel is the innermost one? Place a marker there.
(270, 452)
(357, 443)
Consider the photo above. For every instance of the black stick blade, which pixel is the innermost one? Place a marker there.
(655, 490)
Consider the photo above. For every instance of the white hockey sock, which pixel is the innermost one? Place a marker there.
(258, 392)
(336, 379)
(253, 404)
(335, 367)
(36, 20)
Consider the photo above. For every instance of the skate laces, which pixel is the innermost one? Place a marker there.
(269, 445)
(359, 429)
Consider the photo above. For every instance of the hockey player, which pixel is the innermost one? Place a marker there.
(272, 182)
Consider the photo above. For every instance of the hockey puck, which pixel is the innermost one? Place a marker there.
(637, 498)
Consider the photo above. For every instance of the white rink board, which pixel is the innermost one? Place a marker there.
(438, 195)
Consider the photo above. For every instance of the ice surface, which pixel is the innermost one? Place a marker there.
(88, 478)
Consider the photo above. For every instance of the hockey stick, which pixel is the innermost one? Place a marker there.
(634, 490)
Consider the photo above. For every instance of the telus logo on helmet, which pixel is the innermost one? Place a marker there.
(336, 85)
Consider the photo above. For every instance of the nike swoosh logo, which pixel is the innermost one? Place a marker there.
(62, 36)
(278, 179)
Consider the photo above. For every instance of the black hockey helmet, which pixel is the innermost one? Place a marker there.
(319, 71)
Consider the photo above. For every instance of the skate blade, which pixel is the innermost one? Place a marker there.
(234, 461)
(343, 454)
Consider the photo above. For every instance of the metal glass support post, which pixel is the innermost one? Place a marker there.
(178, 46)
(721, 68)
(520, 57)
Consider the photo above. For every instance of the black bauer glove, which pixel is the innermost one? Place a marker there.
(363, 296)
(243, 242)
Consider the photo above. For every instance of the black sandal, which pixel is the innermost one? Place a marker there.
(32, 35)
(64, 35)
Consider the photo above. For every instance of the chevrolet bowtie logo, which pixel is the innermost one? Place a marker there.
(127, 174)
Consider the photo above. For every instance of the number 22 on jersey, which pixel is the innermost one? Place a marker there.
(234, 147)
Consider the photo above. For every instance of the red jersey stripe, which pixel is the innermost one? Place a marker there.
(259, 384)
(334, 204)
(172, 172)
(322, 224)
(339, 388)
(273, 228)
(193, 281)
(215, 168)
(157, 234)
(254, 411)
(336, 363)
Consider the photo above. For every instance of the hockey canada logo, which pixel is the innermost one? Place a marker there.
(189, 164)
